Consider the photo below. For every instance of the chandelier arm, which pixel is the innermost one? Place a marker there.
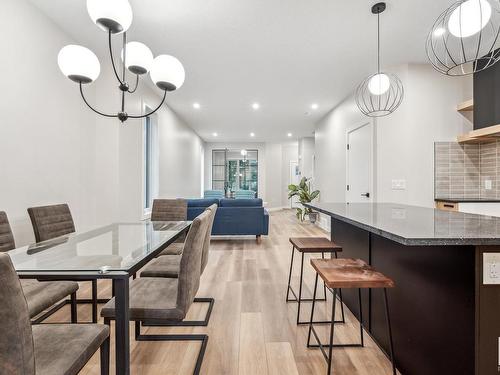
(136, 84)
(112, 59)
(154, 110)
(462, 38)
(93, 109)
(480, 33)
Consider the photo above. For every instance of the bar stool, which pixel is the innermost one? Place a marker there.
(348, 273)
(311, 245)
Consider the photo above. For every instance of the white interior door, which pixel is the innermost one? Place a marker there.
(359, 164)
(294, 179)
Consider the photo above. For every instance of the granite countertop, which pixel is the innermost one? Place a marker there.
(468, 200)
(416, 226)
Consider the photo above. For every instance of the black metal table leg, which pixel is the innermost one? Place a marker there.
(74, 313)
(94, 301)
(122, 337)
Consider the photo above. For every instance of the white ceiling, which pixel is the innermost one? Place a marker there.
(284, 54)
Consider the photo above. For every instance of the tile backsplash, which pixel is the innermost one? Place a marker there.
(470, 171)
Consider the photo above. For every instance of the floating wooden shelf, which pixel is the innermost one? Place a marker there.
(487, 134)
(466, 106)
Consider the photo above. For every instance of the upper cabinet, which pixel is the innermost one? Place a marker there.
(485, 107)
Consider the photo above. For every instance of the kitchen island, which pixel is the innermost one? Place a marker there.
(445, 313)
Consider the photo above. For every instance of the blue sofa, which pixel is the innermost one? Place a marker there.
(234, 216)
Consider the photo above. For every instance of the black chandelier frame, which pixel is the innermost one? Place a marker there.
(384, 104)
(464, 55)
(124, 87)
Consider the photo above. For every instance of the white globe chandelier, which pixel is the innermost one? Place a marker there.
(81, 65)
(465, 38)
(381, 93)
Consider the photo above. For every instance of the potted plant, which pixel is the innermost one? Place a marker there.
(303, 191)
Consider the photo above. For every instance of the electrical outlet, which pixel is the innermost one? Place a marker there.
(491, 268)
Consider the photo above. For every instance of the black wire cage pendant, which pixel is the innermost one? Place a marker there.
(381, 93)
(81, 65)
(465, 38)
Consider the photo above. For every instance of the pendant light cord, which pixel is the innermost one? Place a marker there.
(378, 42)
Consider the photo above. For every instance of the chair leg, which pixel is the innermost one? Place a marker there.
(180, 337)
(187, 323)
(290, 276)
(300, 287)
(332, 328)
(105, 357)
(389, 330)
(340, 295)
(361, 318)
(74, 313)
(312, 310)
(94, 301)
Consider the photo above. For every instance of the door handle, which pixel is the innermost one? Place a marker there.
(366, 195)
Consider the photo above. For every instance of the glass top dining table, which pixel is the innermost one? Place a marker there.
(115, 247)
(116, 251)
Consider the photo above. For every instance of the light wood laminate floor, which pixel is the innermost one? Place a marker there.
(252, 330)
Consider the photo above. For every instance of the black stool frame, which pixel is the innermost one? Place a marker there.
(299, 299)
(328, 357)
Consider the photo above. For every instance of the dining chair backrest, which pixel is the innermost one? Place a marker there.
(208, 236)
(6, 237)
(190, 267)
(169, 210)
(16, 338)
(51, 221)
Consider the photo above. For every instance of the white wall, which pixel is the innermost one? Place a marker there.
(306, 156)
(290, 152)
(53, 149)
(404, 140)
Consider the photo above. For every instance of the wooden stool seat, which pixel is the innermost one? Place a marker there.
(350, 273)
(314, 245)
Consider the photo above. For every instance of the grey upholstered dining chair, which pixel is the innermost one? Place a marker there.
(168, 266)
(40, 296)
(54, 221)
(44, 349)
(158, 300)
(170, 210)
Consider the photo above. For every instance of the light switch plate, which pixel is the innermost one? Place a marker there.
(398, 184)
(491, 268)
(488, 184)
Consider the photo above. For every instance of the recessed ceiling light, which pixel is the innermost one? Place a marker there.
(314, 106)
(196, 105)
(256, 106)
(215, 134)
(289, 134)
(252, 134)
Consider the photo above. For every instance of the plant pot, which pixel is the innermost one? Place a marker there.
(313, 216)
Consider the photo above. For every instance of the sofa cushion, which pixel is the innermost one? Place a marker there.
(202, 202)
(253, 202)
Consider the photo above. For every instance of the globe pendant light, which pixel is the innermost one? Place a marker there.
(81, 65)
(381, 93)
(465, 38)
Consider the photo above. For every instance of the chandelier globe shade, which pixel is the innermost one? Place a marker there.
(139, 57)
(78, 63)
(381, 93)
(167, 73)
(465, 38)
(114, 16)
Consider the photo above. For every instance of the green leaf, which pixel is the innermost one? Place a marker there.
(314, 194)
